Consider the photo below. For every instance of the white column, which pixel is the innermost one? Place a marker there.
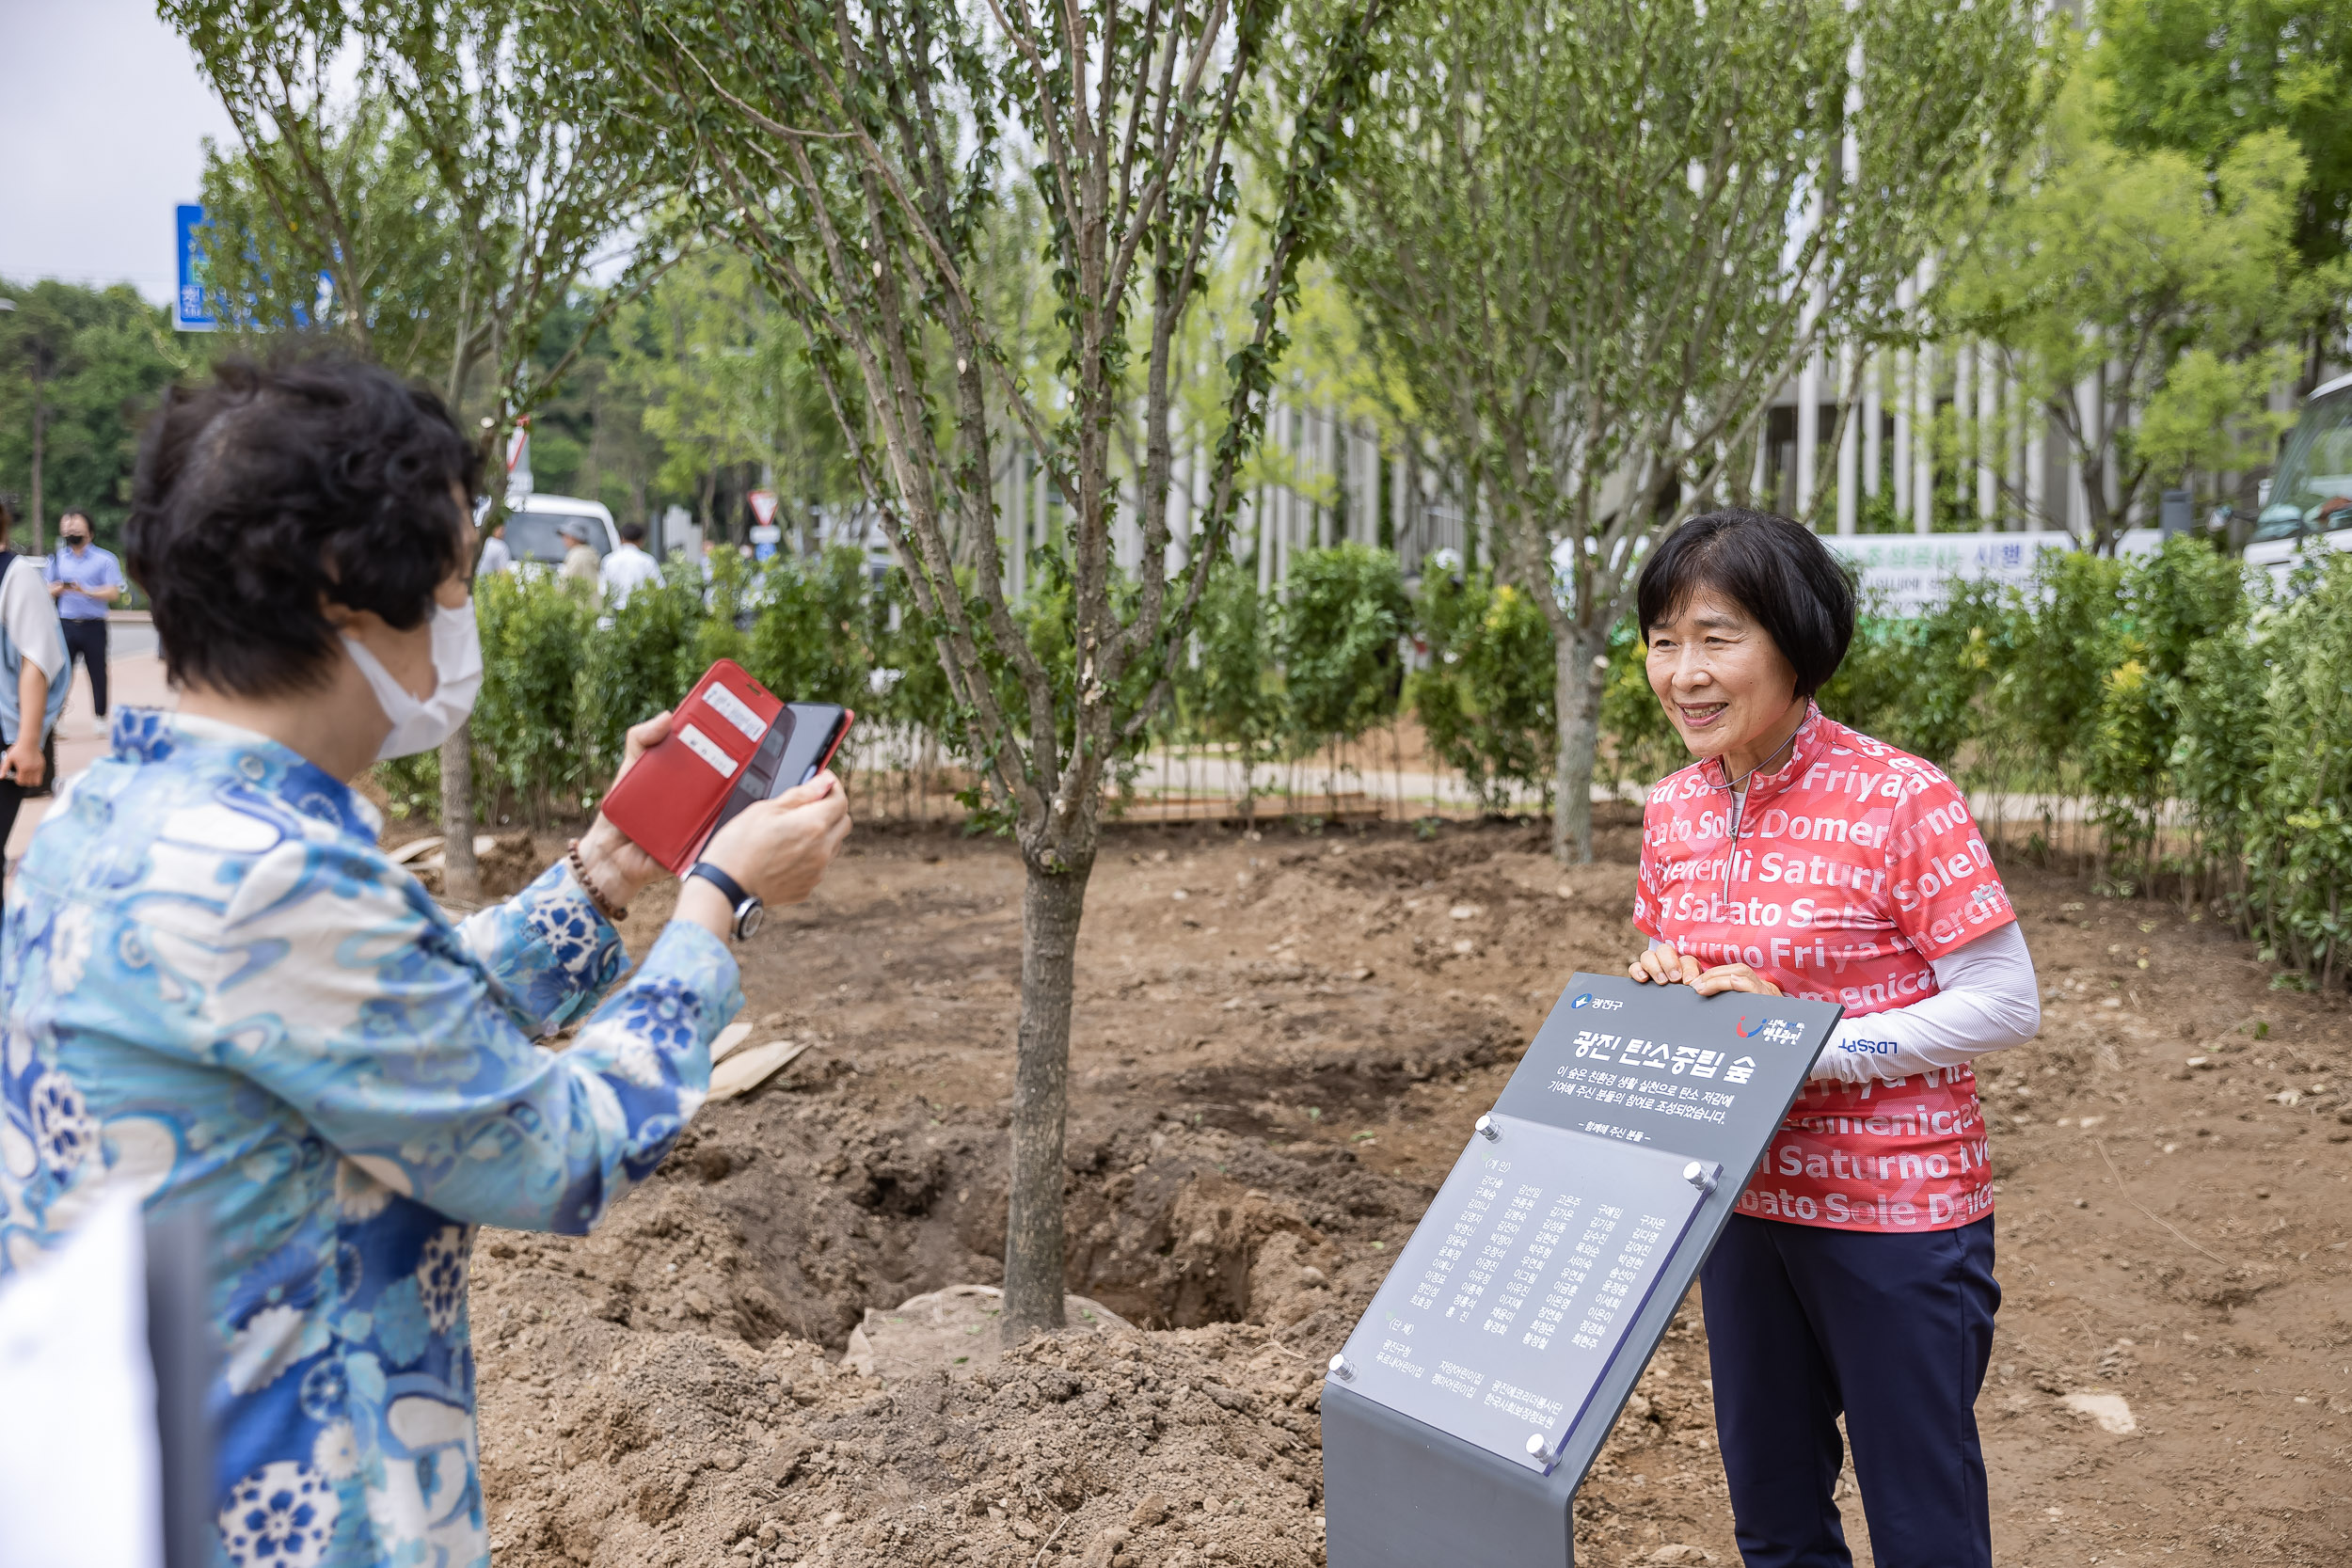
(1756, 477)
(1923, 442)
(1988, 444)
(1871, 419)
(1905, 405)
(1963, 420)
(1808, 429)
(1848, 447)
(2036, 420)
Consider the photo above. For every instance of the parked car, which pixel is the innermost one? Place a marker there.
(530, 528)
(2310, 505)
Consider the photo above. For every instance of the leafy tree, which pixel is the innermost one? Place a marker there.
(2200, 77)
(330, 222)
(723, 379)
(863, 157)
(1593, 239)
(528, 184)
(79, 370)
(2107, 262)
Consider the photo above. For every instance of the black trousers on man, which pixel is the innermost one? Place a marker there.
(86, 640)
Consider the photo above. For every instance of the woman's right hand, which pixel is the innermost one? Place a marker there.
(1664, 966)
(779, 849)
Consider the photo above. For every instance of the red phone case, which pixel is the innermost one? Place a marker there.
(669, 802)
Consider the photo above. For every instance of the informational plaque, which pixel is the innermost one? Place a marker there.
(1506, 1307)
(1517, 1318)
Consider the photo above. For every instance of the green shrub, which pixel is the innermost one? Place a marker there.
(1486, 700)
(1336, 634)
(636, 667)
(526, 738)
(2298, 837)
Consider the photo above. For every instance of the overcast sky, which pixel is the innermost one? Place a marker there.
(103, 120)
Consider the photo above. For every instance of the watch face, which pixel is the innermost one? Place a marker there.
(748, 919)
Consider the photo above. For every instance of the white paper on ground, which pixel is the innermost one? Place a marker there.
(80, 1477)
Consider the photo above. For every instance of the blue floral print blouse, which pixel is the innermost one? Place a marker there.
(220, 991)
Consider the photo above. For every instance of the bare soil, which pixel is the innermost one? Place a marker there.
(1280, 1043)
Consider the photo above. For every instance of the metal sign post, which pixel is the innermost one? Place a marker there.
(1463, 1411)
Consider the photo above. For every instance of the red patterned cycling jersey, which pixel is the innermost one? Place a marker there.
(1838, 877)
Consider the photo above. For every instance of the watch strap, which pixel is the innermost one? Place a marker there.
(728, 887)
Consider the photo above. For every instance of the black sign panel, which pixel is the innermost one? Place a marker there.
(1521, 1312)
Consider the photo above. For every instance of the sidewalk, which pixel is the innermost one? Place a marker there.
(135, 680)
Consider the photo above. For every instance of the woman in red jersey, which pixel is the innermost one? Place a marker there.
(1798, 857)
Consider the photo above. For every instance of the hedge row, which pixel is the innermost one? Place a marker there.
(2199, 721)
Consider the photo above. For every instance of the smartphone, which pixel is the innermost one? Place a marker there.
(796, 748)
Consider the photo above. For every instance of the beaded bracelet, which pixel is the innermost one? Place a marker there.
(615, 913)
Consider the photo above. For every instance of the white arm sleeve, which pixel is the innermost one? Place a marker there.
(31, 617)
(1986, 1000)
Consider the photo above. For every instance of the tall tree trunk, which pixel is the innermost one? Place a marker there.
(40, 423)
(461, 874)
(1051, 904)
(1579, 670)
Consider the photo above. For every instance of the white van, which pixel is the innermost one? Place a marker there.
(2311, 496)
(530, 528)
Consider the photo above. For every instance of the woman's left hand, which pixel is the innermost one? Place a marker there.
(620, 869)
(1724, 977)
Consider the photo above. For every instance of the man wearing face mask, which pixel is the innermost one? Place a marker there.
(223, 994)
(84, 579)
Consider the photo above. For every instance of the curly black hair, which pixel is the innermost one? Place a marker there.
(271, 490)
(1775, 568)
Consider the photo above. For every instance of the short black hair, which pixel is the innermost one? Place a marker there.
(631, 532)
(270, 489)
(1775, 568)
(76, 512)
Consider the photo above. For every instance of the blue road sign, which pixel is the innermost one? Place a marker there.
(190, 310)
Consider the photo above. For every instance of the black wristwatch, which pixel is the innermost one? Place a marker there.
(749, 910)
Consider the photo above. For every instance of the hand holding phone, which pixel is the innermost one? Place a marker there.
(731, 745)
(779, 848)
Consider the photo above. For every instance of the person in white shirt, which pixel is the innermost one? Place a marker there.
(32, 653)
(496, 556)
(629, 566)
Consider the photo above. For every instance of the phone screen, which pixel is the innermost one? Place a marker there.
(796, 746)
(815, 730)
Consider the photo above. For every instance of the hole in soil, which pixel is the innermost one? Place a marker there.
(1170, 1221)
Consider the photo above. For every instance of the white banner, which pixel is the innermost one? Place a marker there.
(1904, 574)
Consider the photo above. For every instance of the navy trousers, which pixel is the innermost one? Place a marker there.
(1895, 1330)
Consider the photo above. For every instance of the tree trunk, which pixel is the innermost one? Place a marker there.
(1051, 904)
(1581, 667)
(40, 421)
(461, 875)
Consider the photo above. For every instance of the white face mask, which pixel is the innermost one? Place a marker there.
(419, 725)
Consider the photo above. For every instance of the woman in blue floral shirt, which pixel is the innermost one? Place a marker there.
(222, 994)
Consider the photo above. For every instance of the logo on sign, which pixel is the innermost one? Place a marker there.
(1772, 1031)
(1601, 1003)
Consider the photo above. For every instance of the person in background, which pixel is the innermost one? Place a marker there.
(628, 567)
(84, 579)
(581, 561)
(225, 997)
(34, 679)
(1798, 857)
(496, 556)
